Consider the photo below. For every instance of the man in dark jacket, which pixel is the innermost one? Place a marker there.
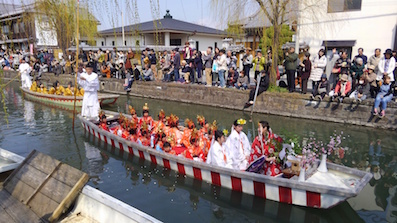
(263, 86)
(177, 63)
(290, 66)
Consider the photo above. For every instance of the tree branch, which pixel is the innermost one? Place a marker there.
(271, 19)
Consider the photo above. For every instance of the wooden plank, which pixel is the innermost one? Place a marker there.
(67, 174)
(42, 184)
(20, 190)
(31, 176)
(5, 217)
(17, 211)
(44, 163)
(55, 189)
(42, 205)
(65, 204)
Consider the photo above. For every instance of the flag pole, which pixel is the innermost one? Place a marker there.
(77, 61)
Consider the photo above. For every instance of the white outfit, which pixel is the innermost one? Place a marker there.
(222, 62)
(389, 71)
(90, 85)
(316, 72)
(239, 149)
(217, 155)
(25, 70)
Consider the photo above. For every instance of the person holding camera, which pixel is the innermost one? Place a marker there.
(290, 66)
(247, 62)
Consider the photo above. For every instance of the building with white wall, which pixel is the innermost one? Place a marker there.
(167, 32)
(350, 24)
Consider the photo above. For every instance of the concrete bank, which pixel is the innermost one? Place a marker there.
(284, 104)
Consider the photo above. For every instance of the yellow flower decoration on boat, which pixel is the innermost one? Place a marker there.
(225, 132)
(241, 121)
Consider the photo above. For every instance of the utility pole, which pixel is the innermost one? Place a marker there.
(122, 27)
(297, 29)
(77, 60)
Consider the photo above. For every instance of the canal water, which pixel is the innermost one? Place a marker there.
(170, 197)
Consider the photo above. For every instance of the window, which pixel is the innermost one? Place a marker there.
(175, 42)
(125, 43)
(103, 43)
(112, 43)
(22, 27)
(137, 43)
(6, 29)
(197, 45)
(16, 28)
(343, 5)
(215, 45)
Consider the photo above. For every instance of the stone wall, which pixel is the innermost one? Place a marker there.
(284, 104)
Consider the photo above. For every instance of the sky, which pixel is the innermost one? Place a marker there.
(108, 12)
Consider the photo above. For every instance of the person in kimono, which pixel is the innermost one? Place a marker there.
(238, 145)
(90, 83)
(218, 156)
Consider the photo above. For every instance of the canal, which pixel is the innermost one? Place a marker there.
(170, 197)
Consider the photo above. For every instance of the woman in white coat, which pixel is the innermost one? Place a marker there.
(319, 64)
(218, 156)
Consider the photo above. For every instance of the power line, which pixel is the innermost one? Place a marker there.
(348, 19)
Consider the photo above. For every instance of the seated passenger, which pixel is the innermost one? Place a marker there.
(167, 148)
(42, 89)
(33, 87)
(103, 122)
(217, 155)
(69, 90)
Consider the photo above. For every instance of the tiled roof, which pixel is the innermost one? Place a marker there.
(165, 24)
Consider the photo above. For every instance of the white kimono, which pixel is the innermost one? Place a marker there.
(239, 149)
(90, 85)
(218, 156)
(25, 70)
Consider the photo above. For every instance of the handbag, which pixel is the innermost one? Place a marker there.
(214, 67)
(336, 70)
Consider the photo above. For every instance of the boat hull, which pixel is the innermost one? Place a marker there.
(272, 188)
(66, 101)
(13, 160)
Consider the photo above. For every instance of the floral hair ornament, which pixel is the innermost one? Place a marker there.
(241, 121)
(225, 132)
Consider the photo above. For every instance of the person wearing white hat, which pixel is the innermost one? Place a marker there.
(386, 66)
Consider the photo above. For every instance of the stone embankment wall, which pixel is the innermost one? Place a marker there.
(284, 104)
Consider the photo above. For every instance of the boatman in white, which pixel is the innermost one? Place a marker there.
(25, 69)
(218, 156)
(89, 82)
(238, 146)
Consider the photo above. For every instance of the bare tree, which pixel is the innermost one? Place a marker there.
(278, 12)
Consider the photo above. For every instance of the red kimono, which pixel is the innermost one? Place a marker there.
(266, 147)
(148, 120)
(103, 126)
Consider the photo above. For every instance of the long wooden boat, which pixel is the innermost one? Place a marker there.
(321, 190)
(9, 160)
(66, 101)
(93, 205)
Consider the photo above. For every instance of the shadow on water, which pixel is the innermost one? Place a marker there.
(222, 201)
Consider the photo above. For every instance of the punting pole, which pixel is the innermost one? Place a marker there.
(77, 60)
(258, 81)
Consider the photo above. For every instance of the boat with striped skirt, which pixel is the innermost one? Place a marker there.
(320, 190)
(66, 101)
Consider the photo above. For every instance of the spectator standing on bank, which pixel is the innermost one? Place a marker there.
(386, 66)
(105, 69)
(177, 63)
(319, 64)
(192, 65)
(215, 68)
(394, 54)
(332, 76)
(374, 59)
(306, 68)
(247, 62)
(187, 52)
(259, 63)
(361, 55)
(290, 66)
(198, 62)
(222, 66)
(231, 60)
(153, 62)
(207, 57)
(343, 64)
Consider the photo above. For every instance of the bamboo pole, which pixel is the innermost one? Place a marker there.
(258, 80)
(77, 61)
